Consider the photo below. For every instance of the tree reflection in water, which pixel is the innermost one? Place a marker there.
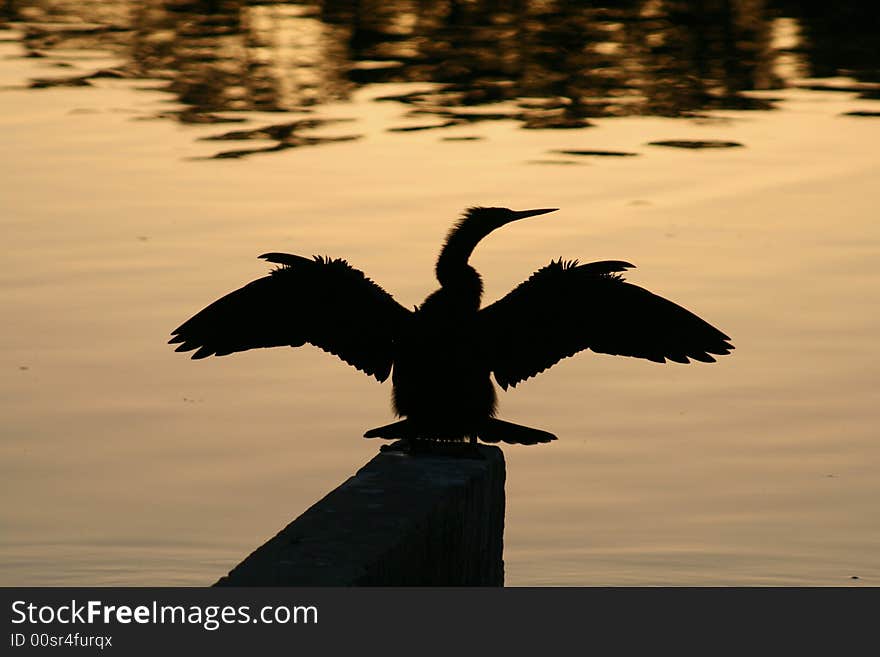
(546, 64)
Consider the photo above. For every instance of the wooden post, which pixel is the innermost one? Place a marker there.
(433, 518)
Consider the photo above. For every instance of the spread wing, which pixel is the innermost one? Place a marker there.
(321, 301)
(565, 308)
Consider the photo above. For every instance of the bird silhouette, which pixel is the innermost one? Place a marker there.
(444, 352)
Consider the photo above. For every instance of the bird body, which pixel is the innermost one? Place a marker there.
(441, 380)
(444, 353)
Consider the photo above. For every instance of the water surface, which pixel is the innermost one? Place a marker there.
(125, 463)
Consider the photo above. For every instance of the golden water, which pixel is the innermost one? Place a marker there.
(125, 463)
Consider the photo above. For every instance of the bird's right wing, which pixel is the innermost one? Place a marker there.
(321, 301)
(565, 308)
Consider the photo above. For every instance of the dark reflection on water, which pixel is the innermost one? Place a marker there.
(559, 63)
(838, 38)
(285, 135)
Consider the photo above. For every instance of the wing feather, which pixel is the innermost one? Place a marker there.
(324, 302)
(565, 308)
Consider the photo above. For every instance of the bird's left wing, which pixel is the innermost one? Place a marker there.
(324, 302)
(565, 308)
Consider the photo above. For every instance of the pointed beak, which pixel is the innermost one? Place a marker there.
(522, 214)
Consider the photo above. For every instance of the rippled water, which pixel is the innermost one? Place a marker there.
(361, 130)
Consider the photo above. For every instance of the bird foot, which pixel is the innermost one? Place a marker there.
(403, 446)
(434, 448)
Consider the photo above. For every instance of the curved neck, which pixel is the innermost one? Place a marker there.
(461, 292)
(452, 265)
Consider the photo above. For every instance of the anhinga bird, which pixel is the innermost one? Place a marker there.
(444, 352)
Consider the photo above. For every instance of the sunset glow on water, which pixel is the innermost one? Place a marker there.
(127, 464)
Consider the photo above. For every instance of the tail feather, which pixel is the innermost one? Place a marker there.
(493, 431)
(394, 431)
(515, 434)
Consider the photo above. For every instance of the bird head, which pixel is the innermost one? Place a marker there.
(476, 224)
(492, 218)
